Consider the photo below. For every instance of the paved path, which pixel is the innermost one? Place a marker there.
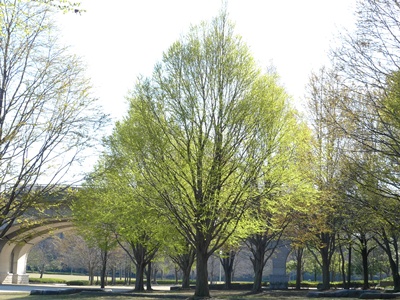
(20, 288)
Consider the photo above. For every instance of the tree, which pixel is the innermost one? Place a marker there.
(47, 115)
(110, 210)
(329, 146)
(200, 130)
(76, 253)
(43, 254)
(94, 219)
(283, 191)
(183, 254)
(368, 63)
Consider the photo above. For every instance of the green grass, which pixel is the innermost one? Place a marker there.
(60, 276)
(175, 295)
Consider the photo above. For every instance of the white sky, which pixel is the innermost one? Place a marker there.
(122, 39)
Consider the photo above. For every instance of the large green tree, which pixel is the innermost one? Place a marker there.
(200, 131)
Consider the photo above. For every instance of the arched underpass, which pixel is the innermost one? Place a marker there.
(16, 244)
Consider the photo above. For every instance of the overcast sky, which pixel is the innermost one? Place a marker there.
(120, 40)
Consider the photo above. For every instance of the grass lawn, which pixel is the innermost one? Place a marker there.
(174, 295)
(171, 295)
(60, 276)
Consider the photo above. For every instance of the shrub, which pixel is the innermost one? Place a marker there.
(78, 282)
(46, 280)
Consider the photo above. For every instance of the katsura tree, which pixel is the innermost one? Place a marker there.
(47, 115)
(75, 252)
(111, 200)
(228, 252)
(329, 146)
(93, 216)
(183, 254)
(361, 219)
(200, 129)
(367, 61)
(284, 190)
(43, 255)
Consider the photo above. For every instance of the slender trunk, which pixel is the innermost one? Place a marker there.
(154, 275)
(349, 269)
(202, 288)
(299, 259)
(103, 269)
(176, 276)
(364, 255)
(91, 275)
(148, 277)
(390, 245)
(113, 279)
(342, 267)
(394, 267)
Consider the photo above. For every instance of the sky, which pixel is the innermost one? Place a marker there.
(120, 40)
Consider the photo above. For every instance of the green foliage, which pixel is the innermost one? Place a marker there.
(46, 280)
(77, 282)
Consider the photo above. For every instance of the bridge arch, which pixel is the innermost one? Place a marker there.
(15, 247)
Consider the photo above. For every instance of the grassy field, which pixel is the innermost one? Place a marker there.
(60, 276)
(171, 295)
(229, 295)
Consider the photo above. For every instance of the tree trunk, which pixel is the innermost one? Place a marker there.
(364, 255)
(326, 278)
(154, 275)
(113, 279)
(390, 245)
(395, 273)
(139, 283)
(258, 271)
(326, 252)
(299, 262)
(148, 277)
(258, 261)
(343, 271)
(91, 275)
(42, 271)
(349, 269)
(186, 277)
(176, 276)
(202, 288)
(228, 279)
(103, 269)
(227, 264)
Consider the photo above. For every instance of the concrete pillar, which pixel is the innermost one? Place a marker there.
(278, 280)
(6, 254)
(19, 264)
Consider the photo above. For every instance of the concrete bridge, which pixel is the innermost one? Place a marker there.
(22, 236)
(16, 244)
